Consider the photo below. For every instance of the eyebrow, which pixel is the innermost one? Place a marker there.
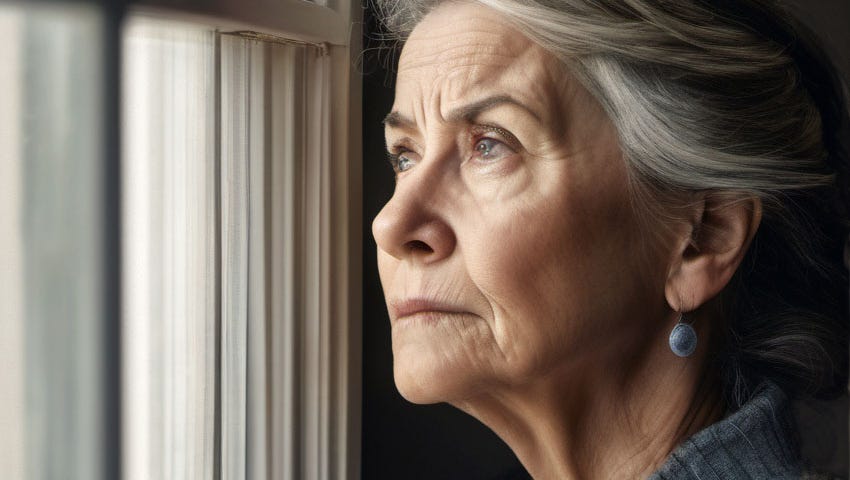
(465, 112)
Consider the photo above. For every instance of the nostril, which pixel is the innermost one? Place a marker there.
(419, 246)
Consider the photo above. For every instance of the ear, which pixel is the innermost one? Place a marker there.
(711, 249)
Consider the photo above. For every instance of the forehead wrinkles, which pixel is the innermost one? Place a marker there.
(458, 76)
(464, 70)
(466, 52)
(445, 52)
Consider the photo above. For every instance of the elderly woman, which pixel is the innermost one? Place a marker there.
(617, 231)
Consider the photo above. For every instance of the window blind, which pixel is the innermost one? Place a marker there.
(227, 240)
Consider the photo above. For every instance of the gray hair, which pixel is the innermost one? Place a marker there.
(731, 97)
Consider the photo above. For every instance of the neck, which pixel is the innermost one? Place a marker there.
(585, 422)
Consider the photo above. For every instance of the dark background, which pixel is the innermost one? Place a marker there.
(408, 442)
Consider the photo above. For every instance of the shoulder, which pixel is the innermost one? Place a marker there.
(759, 441)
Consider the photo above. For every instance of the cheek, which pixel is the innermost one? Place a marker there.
(553, 269)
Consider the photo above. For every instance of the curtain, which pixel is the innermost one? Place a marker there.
(226, 142)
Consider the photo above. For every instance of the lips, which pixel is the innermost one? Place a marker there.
(413, 306)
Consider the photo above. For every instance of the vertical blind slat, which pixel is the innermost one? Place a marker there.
(257, 448)
(286, 106)
(235, 101)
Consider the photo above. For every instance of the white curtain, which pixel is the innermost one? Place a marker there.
(169, 239)
(226, 241)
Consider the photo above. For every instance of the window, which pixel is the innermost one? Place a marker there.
(52, 233)
(239, 236)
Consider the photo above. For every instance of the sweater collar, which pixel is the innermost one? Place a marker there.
(758, 441)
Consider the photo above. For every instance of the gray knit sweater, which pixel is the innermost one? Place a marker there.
(759, 441)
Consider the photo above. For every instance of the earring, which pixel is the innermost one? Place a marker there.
(683, 338)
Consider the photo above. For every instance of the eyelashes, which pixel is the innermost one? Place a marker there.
(488, 143)
(507, 137)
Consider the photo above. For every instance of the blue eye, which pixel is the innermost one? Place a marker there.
(490, 148)
(401, 161)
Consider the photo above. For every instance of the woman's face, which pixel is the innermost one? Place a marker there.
(508, 249)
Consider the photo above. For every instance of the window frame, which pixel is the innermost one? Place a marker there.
(337, 24)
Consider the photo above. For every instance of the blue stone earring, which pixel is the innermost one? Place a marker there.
(683, 339)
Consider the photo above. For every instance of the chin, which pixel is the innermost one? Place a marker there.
(417, 389)
(426, 377)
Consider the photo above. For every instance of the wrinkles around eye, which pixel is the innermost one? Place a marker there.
(482, 144)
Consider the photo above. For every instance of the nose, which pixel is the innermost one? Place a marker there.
(411, 227)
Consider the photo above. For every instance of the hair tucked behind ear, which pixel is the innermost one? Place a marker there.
(728, 96)
(788, 306)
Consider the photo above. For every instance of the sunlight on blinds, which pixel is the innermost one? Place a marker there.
(226, 240)
(169, 239)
